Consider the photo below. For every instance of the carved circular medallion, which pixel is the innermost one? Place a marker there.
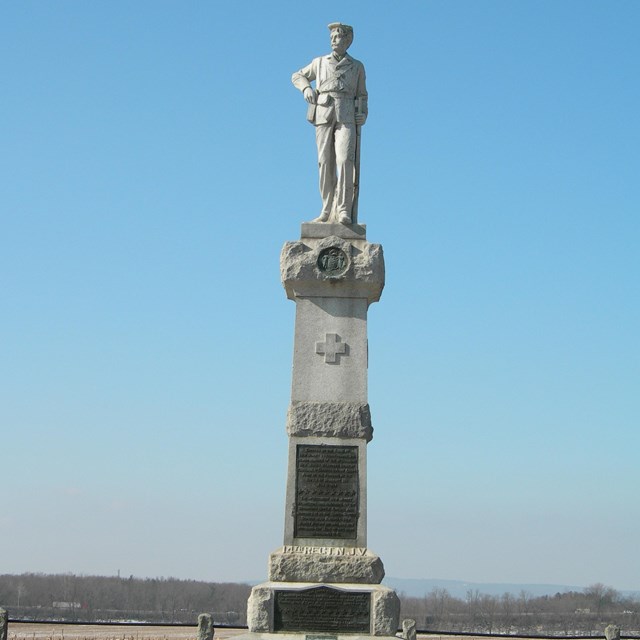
(332, 261)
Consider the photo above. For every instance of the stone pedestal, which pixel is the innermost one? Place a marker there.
(310, 607)
(324, 579)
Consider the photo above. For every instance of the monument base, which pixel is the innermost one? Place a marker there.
(313, 609)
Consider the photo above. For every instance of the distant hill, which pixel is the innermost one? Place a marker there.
(416, 587)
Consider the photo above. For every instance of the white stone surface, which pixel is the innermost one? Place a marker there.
(331, 308)
(315, 378)
(321, 230)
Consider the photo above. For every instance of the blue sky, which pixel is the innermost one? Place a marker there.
(155, 157)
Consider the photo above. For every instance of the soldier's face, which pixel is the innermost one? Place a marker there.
(339, 42)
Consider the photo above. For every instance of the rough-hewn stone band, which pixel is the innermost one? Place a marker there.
(330, 419)
(297, 567)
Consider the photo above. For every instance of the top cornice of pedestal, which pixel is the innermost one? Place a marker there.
(333, 266)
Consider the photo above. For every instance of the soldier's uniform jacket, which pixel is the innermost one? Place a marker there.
(338, 85)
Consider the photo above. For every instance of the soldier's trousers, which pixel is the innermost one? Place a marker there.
(336, 159)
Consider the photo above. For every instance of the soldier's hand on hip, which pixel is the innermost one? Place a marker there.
(309, 95)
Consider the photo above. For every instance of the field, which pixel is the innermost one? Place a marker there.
(30, 631)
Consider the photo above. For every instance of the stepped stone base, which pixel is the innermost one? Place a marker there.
(312, 608)
(348, 565)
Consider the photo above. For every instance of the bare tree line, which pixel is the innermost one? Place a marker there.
(585, 612)
(70, 597)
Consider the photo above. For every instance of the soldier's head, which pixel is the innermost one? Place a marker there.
(341, 37)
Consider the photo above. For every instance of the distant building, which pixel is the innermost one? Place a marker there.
(66, 605)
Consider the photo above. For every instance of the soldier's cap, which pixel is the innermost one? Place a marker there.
(335, 25)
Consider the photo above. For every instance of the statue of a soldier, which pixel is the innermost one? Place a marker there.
(337, 109)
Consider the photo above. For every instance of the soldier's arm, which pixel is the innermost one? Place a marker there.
(302, 80)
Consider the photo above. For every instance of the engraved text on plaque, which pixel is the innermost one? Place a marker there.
(327, 492)
(323, 609)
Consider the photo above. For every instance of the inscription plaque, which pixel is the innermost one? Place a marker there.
(327, 492)
(323, 609)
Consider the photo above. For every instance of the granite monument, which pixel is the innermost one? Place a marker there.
(324, 580)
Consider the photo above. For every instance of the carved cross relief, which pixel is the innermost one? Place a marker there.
(331, 348)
